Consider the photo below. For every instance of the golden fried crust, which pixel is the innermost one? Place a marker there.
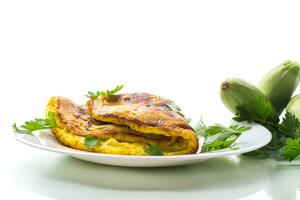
(74, 124)
(144, 113)
(75, 119)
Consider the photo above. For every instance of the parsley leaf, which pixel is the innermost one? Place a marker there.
(218, 136)
(289, 125)
(239, 128)
(283, 134)
(105, 93)
(37, 124)
(93, 95)
(200, 128)
(91, 141)
(18, 130)
(173, 106)
(263, 108)
(258, 113)
(291, 149)
(153, 149)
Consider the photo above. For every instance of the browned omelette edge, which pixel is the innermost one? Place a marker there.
(186, 131)
(53, 105)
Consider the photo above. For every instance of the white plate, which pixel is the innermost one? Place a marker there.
(255, 138)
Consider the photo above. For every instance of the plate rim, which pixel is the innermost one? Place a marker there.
(70, 151)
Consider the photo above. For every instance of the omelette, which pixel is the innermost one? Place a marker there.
(125, 124)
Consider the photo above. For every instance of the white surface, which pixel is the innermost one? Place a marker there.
(178, 49)
(255, 138)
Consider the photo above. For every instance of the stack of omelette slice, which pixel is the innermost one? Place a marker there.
(125, 124)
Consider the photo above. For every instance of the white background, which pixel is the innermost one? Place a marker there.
(182, 50)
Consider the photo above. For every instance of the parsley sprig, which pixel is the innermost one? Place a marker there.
(290, 126)
(42, 124)
(91, 141)
(173, 106)
(153, 149)
(285, 135)
(259, 113)
(37, 124)
(105, 93)
(291, 150)
(218, 137)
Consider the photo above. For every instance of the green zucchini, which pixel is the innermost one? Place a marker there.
(293, 106)
(280, 83)
(240, 96)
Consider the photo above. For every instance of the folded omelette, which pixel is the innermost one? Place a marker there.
(125, 124)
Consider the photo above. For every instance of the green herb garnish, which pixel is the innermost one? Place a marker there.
(105, 93)
(285, 135)
(218, 137)
(173, 106)
(91, 141)
(260, 112)
(289, 125)
(291, 150)
(200, 128)
(37, 124)
(153, 149)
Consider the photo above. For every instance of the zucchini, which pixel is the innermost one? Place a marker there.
(280, 83)
(240, 96)
(293, 106)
